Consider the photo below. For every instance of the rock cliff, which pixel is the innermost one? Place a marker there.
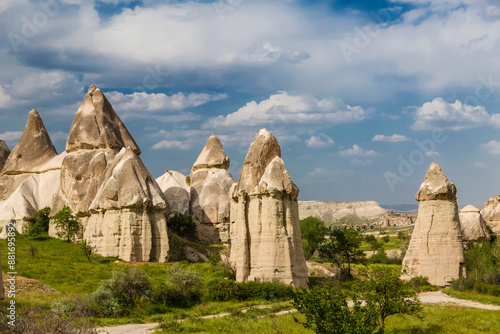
(435, 248)
(331, 211)
(265, 230)
(4, 153)
(210, 200)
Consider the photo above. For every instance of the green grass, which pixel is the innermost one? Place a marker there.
(394, 243)
(472, 295)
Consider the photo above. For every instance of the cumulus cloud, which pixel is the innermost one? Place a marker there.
(391, 139)
(439, 114)
(492, 147)
(321, 172)
(4, 98)
(11, 135)
(320, 141)
(171, 144)
(142, 101)
(357, 151)
(285, 108)
(431, 154)
(360, 162)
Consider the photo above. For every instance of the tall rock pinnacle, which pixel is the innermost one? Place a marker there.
(212, 155)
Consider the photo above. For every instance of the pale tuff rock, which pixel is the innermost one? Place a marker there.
(210, 201)
(2, 290)
(473, 226)
(176, 190)
(212, 155)
(491, 214)
(265, 230)
(330, 211)
(391, 218)
(33, 149)
(97, 126)
(4, 153)
(435, 250)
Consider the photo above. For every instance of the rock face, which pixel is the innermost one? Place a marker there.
(265, 230)
(2, 290)
(30, 177)
(473, 226)
(33, 149)
(4, 153)
(176, 190)
(120, 206)
(435, 248)
(491, 214)
(330, 211)
(210, 201)
(391, 218)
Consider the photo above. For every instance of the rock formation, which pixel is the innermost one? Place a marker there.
(331, 211)
(265, 230)
(391, 218)
(2, 290)
(435, 250)
(4, 153)
(176, 189)
(473, 226)
(210, 201)
(30, 177)
(491, 214)
(118, 203)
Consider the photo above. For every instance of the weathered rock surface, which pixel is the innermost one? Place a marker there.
(176, 190)
(473, 226)
(97, 126)
(4, 153)
(330, 211)
(210, 201)
(33, 149)
(265, 230)
(391, 218)
(2, 290)
(435, 248)
(491, 214)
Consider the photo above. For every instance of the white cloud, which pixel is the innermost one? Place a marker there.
(284, 109)
(168, 144)
(439, 114)
(141, 101)
(4, 98)
(431, 154)
(480, 164)
(360, 162)
(391, 139)
(320, 141)
(10, 136)
(492, 147)
(357, 151)
(320, 172)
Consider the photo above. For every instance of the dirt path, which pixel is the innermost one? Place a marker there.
(435, 297)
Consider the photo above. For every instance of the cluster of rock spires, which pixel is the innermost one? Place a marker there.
(123, 210)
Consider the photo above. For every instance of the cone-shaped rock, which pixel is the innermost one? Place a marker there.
(176, 190)
(33, 149)
(265, 231)
(4, 153)
(210, 201)
(212, 155)
(435, 250)
(97, 126)
(127, 214)
(473, 226)
(491, 214)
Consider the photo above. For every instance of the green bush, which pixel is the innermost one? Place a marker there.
(104, 303)
(66, 223)
(183, 225)
(229, 290)
(182, 287)
(312, 232)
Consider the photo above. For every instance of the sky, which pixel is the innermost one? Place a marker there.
(361, 95)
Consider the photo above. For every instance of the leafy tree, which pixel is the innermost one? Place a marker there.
(343, 247)
(33, 230)
(183, 225)
(326, 311)
(66, 223)
(374, 243)
(313, 232)
(39, 224)
(383, 290)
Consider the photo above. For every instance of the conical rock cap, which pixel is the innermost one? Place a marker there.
(33, 149)
(212, 155)
(436, 185)
(96, 125)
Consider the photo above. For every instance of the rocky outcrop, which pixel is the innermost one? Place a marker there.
(210, 201)
(4, 153)
(265, 230)
(330, 211)
(491, 214)
(473, 226)
(176, 190)
(391, 218)
(435, 250)
(2, 290)
(120, 206)
(30, 178)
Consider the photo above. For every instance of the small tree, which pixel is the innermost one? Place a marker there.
(33, 230)
(39, 224)
(87, 249)
(313, 232)
(183, 225)
(374, 243)
(66, 223)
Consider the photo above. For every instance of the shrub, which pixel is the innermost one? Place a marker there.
(182, 287)
(183, 225)
(229, 290)
(130, 285)
(87, 249)
(33, 230)
(66, 223)
(104, 303)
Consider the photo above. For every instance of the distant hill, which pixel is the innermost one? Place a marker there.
(404, 208)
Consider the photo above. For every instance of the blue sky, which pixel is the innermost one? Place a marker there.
(362, 95)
